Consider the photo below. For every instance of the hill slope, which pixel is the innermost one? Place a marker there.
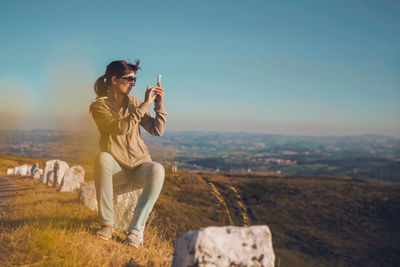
(315, 221)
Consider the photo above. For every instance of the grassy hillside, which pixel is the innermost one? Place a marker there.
(324, 221)
(43, 227)
(314, 221)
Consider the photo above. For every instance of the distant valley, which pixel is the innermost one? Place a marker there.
(358, 157)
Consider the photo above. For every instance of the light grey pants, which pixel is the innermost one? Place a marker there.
(108, 173)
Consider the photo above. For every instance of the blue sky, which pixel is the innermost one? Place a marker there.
(289, 67)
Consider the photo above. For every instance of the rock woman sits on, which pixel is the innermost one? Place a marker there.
(124, 156)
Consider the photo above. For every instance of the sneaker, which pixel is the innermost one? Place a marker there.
(134, 240)
(104, 233)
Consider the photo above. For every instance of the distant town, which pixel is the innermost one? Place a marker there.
(365, 156)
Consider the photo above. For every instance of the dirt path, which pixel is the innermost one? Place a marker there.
(7, 190)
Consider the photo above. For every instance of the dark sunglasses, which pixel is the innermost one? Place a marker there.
(129, 79)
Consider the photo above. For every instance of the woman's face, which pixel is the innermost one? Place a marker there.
(124, 84)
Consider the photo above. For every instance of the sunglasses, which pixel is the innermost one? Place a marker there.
(129, 79)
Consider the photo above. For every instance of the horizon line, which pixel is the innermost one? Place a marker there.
(211, 132)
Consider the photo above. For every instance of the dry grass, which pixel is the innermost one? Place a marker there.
(220, 199)
(243, 212)
(315, 221)
(43, 227)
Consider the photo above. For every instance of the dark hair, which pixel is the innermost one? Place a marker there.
(116, 68)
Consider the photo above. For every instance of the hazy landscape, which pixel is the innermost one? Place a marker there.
(358, 157)
(329, 201)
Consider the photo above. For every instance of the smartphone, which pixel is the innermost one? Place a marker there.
(159, 79)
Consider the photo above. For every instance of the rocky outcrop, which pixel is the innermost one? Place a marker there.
(126, 198)
(225, 246)
(72, 179)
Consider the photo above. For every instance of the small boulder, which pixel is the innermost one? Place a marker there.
(60, 167)
(37, 173)
(54, 171)
(73, 177)
(10, 171)
(28, 170)
(124, 206)
(87, 195)
(50, 178)
(33, 168)
(126, 198)
(225, 246)
(48, 167)
(22, 170)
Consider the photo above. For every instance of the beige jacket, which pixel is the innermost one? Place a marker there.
(120, 132)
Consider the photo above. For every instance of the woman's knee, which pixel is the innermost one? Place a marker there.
(104, 159)
(104, 164)
(157, 172)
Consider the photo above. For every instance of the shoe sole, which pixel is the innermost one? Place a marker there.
(133, 245)
(104, 238)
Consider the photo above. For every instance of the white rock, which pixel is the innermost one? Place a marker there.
(10, 171)
(48, 167)
(18, 170)
(72, 179)
(50, 178)
(28, 170)
(225, 246)
(54, 171)
(37, 173)
(34, 167)
(126, 197)
(125, 201)
(22, 170)
(87, 195)
(60, 167)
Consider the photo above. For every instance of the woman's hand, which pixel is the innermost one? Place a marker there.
(158, 94)
(148, 98)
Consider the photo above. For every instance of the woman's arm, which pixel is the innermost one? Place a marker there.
(112, 124)
(155, 126)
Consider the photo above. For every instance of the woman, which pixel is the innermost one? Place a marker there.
(124, 155)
